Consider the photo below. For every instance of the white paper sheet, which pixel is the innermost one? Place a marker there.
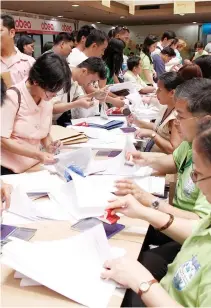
(122, 86)
(116, 252)
(21, 205)
(33, 182)
(71, 267)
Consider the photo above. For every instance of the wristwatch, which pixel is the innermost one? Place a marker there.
(155, 204)
(145, 286)
(153, 135)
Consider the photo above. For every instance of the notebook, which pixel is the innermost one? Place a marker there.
(67, 135)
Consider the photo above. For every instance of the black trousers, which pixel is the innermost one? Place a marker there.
(156, 260)
(5, 171)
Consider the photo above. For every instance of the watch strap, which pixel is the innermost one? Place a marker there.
(140, 292)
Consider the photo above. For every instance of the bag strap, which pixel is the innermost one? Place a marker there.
(19, 96)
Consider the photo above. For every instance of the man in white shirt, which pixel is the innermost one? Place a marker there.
(133, 75)
(166, 39)
(95, 45)
(63, 44)
(87, 72)
(81, 40)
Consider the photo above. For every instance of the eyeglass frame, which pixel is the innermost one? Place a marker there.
(195, 180)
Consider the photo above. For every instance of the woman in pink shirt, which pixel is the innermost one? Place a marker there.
(27, 115)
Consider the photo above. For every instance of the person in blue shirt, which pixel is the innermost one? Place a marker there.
(159, 60)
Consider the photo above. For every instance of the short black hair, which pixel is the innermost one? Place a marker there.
(133, 62)
(168, 51)
(3, 90)
(120, 29)
(51, 72)
(197, 93)
(111, 33)
(47, 46)
(96, 36)
(174, 42)
(94, 65)
(204, 62)
(24, 40)
(8, 21)
(199, 45)
(168, 34)
(171, 80)
(64, 36)
(84, 31)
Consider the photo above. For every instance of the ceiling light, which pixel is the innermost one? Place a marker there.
(75, 5)
(122, 17)
(194, 22)
(98, 22)
(60, 16)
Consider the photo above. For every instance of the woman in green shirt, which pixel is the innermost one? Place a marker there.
(113, 58)
(188, 279)
(148, 47)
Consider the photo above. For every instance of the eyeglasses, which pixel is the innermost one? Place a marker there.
(120, 28)
(52, 94)
(194, 176)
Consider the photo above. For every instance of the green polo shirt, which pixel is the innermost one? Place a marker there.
(146, 65)
(187, 195)
(110, 79)
(188, 279)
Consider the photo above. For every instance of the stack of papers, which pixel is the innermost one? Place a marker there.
(85, 197)
(71, 267)
(67, 135)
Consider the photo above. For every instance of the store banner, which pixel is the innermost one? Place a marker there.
(41, 26)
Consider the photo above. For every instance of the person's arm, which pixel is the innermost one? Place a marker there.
(130, 274)
(14, 147)
(182, 226)
(115, 101)
(144, 124)
(146, 90)
(125, 187)
(115, 78)
(168, 146)
(164, 164)
(179, 230)
(84, 102)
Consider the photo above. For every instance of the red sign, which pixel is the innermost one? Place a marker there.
(40, 26)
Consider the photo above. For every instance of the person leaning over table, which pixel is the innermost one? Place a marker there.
(192, 102)
(27, 115)
(187, 280)
(163, 134)
(148, 71)
(87, 72)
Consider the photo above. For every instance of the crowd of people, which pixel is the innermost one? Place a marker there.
(70, 80)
